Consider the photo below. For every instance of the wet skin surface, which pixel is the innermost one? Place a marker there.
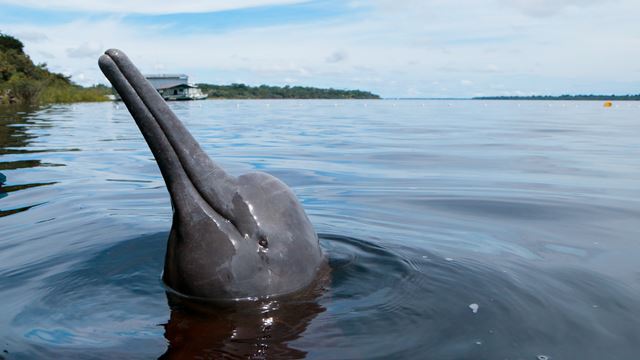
(232, 237)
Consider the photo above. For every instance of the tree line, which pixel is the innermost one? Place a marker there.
(242, 91)
(563, 97)
(23, 82)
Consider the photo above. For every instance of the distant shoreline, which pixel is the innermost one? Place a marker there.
(532, 98)
(243, 91)
(564, 97)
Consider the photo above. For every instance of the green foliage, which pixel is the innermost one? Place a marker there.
(23, 82)
(242, 91)
(563, 97)
(24, 88)
(9, 42)
(74, 93)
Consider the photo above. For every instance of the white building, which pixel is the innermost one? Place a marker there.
(175, 87)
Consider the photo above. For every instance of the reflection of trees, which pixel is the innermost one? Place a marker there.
(12, 134)
(3, 192)
(14, 137)
(245, 330)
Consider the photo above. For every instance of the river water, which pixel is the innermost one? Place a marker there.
(454, 230)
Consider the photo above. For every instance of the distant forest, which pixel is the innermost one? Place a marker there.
(563, 97)
(242, 91)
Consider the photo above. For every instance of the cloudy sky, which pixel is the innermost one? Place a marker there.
(396, 48)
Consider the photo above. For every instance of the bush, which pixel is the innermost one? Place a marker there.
(9, 42)
(25, 89)
(21, 81)
(59, 93)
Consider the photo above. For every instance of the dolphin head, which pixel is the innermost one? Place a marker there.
(232, 237)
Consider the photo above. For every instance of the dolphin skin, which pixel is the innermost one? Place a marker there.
(232, 237)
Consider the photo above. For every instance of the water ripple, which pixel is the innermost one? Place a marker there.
(453, 230)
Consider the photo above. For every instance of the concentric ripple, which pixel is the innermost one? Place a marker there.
(396, 303)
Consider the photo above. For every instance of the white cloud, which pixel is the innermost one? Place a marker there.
(88, 49)
(337, 56)
(46, 55)
(441, 41)
(151, 7)
(33, 36)
(543, 8)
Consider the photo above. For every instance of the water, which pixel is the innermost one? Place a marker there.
(463, 229)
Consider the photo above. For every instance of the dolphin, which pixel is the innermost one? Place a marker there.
(232, 238)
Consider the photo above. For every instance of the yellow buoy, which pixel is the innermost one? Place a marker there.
(608, 104)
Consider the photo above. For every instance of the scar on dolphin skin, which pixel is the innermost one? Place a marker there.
(232, 237)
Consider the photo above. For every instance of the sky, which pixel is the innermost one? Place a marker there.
(394, 48)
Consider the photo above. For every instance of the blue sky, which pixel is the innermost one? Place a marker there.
(396, 48)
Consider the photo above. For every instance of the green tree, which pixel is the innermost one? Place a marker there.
(9, 42)
(25, 89)
(21, 81)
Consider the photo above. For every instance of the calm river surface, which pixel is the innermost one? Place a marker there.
(454, 230)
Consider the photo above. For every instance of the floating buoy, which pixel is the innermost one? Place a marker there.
(608, 104)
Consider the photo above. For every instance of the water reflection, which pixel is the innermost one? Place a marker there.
(458, 232)
(245, 330)
(8, 212)
(3, 179)
(119, 290)
(12, 135)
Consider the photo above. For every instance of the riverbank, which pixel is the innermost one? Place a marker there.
(23, 82)
(564, 97)
(242, 91)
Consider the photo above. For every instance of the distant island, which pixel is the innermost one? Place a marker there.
(23, 82)
(242, 91)
(563, 97)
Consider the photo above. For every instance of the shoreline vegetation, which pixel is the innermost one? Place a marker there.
(564, 97)
(242, 91)
(23, 82)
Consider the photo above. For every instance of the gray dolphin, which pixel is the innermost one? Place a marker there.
(232, 237)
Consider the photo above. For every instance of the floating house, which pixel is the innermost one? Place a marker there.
(175, 87)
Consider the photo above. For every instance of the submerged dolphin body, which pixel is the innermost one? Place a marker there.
(232, 237)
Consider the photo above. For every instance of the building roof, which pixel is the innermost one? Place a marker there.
(166, 76)
(174, 85)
